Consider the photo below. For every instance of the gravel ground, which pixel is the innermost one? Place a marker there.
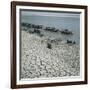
(38, 61)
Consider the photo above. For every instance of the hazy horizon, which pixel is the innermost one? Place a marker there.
(51, 14)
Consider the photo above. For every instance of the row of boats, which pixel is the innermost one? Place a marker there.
(51, 29)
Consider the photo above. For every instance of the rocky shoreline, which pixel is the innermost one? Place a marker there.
(44, 58)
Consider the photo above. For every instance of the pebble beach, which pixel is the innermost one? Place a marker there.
(38, 61)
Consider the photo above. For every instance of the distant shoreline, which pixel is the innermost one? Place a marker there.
(39, 29)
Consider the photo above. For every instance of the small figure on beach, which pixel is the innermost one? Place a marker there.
(74, 42)
(67, 32)
(49, 46)
(70, 42)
